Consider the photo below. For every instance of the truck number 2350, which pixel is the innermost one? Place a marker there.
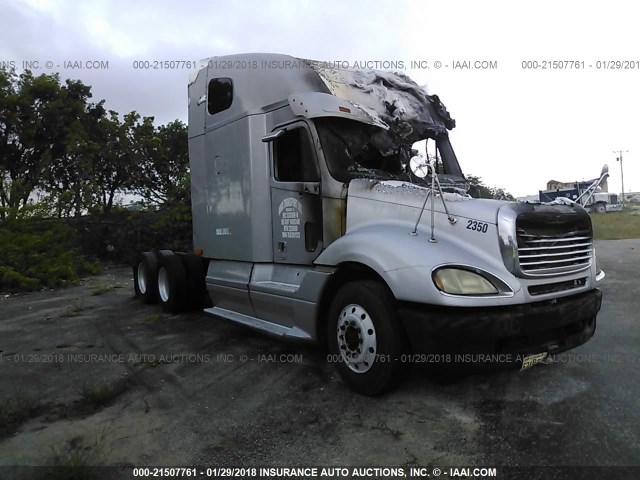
(477, 226)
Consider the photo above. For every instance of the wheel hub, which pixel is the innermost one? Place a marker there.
(356, 338)
(142, 279)
(352, 337)
(163, 284)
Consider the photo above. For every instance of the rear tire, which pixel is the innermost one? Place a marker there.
(145, 277)
(172, 283)
(365, 338)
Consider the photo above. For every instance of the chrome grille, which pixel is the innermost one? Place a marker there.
(554, 254)
(554, 243)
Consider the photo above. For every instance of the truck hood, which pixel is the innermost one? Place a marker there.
(403, 201)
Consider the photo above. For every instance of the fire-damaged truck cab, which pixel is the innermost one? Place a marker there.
(329, 206)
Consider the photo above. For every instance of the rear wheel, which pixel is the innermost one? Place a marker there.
(365, 339)
(172, 283)
(145, 272)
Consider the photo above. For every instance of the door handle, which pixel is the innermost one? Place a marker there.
(314, 188)
(311, 236)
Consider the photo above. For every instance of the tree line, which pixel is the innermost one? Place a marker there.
(480, 190)
(63, 155)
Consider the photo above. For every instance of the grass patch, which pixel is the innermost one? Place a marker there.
(99, 395)
(152, 318)
(72, 461)
(73, 310)
(15, 410)
(103, 288)
(93, 398)
(616, 225)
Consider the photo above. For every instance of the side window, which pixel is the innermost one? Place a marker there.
(219, 94)
(294, 157)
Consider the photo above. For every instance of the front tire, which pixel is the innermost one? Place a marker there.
(365, 338)
(600, 208)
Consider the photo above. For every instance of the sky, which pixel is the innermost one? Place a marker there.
(517, 127)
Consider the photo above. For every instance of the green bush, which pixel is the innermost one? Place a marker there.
(119, 236)
(37, 253)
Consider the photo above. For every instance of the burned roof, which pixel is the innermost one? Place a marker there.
(263, 80)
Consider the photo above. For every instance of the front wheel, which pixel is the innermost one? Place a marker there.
(365, 339)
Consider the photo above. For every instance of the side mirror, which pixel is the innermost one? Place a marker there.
(419, 166)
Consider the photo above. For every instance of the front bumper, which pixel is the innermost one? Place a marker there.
(507, 333)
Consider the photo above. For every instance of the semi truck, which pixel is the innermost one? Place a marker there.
(589, 194)
(329, 206)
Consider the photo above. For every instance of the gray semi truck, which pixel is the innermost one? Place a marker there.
(317, 217)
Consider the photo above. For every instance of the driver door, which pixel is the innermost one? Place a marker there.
(296, 205)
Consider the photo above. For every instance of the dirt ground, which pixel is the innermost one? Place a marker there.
(89, 375)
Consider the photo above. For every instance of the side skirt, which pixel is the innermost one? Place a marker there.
(260, 324)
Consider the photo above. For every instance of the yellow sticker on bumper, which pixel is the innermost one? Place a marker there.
(530, 360)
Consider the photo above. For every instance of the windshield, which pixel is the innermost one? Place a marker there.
(354, 149)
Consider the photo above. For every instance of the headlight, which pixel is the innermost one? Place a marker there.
(457, 281)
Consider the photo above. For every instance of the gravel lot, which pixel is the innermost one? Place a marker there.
(88, 372)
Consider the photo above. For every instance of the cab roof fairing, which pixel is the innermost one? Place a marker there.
(317, 104)
(201, 65)
(393, 97)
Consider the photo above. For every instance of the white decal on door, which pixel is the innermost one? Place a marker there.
(290, 213)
